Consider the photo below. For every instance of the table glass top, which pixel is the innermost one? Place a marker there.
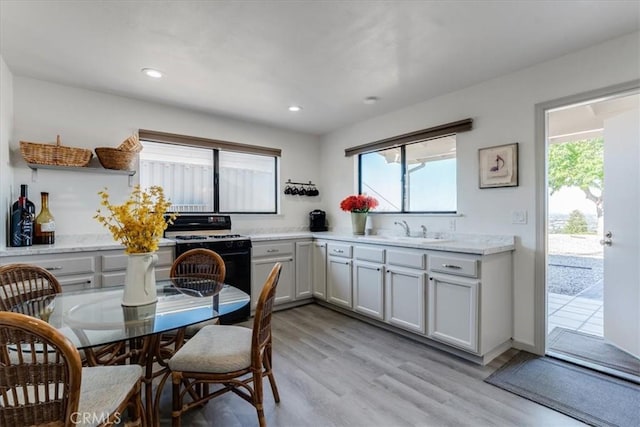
(96, 317)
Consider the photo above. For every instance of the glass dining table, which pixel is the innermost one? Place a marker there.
(107, 332)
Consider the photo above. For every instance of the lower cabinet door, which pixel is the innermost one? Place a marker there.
(285, 291)
(453, 311)
(368, 289)
(339, 281)
(405, 299)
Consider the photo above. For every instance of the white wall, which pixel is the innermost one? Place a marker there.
(91, 119)
(503, 112)
(6, 128)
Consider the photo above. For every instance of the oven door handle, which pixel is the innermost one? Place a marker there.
(224, 254)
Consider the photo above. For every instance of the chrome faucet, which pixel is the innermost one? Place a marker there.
(405, 226)
(424, 231)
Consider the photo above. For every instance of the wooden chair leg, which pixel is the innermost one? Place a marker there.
(136, 412)
(272, 378)
(176, 413)
(258, 398)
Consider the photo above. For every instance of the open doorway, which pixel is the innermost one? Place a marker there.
(593, 187)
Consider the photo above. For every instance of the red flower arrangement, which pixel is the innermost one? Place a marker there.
(358, 203)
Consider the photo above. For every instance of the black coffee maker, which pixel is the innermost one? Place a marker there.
(317, 220)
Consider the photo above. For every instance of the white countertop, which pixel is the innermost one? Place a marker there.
(467, 243)
(73, 243)
(463, 243)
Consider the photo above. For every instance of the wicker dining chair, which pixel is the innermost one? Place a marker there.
(233, 356)
(24, 287)
(29, 289)
(42, 381)
(200, 263)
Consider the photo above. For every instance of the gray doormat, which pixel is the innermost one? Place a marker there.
(589, 396)
(592, 349)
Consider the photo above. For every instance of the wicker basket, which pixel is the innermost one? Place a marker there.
(115, 158)
(131, 144)
(58, 155)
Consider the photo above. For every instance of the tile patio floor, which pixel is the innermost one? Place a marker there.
(575, 312)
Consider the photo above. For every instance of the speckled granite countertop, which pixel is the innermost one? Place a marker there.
(463, 243)
(73, 243)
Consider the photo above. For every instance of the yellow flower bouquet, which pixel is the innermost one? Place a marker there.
(138, 223)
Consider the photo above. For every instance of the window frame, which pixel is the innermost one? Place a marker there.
(403, 182)
(217, 146)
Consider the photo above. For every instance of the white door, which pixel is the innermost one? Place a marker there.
(622, 231)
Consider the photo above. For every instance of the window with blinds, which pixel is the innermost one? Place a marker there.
(412, 173)
(197, 178)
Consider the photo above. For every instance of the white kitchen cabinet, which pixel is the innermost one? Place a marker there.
(453, 310)
(91, 269)
(368, 289)
(304, 269)
(339, 281)
(469, 300)
(74, 271)
(264, 256)
(405, 293)
(405, 298)
(319, 270)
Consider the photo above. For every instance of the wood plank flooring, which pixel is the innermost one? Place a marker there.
(333, 370)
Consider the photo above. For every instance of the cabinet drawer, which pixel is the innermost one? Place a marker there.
(409, 259)
(117, 260)
(336, 249)
(274, 249)
(369, 254)
(66, 266)
(454, 265)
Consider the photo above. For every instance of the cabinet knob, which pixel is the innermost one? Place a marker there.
(56, 267)
(453, 266)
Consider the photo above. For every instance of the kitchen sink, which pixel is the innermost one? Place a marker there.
(406, 239)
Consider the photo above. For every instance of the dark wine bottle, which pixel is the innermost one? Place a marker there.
(22, 218)
(45, 224)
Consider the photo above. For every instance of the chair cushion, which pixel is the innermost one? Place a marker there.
(191, 330)
(215, 349)
(104, 388)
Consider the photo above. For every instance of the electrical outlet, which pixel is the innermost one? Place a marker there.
(519, 217)
(452, 224)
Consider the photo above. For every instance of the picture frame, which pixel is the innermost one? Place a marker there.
(498, 166)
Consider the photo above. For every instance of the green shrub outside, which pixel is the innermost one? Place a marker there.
(576, 224)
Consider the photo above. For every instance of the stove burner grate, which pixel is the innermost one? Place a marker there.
(191, 237)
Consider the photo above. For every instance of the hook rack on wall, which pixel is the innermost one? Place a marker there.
(301, 188)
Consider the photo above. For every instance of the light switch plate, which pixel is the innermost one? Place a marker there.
(519, 217)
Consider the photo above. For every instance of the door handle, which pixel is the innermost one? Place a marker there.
(607, 240)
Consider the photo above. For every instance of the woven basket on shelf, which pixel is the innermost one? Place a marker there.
(131, 144)
(57, 155)
(115, 158)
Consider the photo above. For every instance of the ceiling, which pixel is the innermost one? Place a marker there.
(252, 59)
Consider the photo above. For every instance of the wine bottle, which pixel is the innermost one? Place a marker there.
(21, 221)
(45, 224)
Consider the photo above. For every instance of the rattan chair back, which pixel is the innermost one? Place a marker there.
(199, 262)
(24, 288)
(40, 373)
(262, 321)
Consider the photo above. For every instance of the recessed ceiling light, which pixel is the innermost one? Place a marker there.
(295, 108)
(150, 72)
(370, 100)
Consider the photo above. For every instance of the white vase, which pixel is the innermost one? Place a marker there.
(140, 280)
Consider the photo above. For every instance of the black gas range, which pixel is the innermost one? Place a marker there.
(213, 231)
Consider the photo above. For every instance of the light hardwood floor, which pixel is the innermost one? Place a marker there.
(333, 370)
